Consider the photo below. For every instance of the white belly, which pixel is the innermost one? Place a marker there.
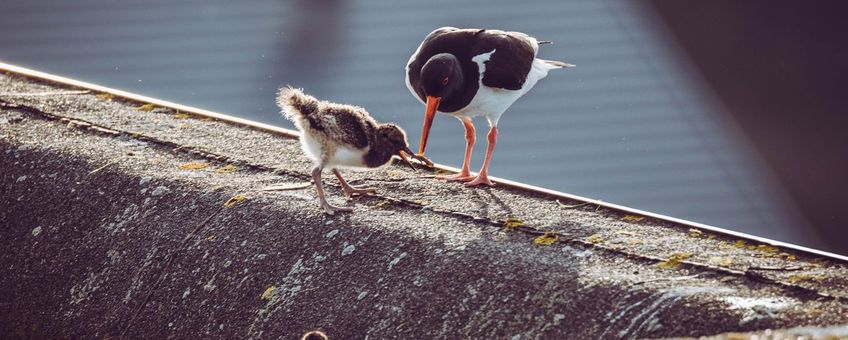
(341, 157)
(311, 147)
(489, 102)
(347, 157)
(493, 102)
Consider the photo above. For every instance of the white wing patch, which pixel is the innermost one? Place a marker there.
(481, 60)
(492, 102)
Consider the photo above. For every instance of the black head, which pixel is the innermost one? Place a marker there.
(391, 141)
(441, 76)
(393, 137)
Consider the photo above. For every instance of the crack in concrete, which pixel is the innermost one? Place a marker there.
(168, 259)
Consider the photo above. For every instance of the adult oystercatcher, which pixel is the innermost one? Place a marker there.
(337, 135)
(474, 72)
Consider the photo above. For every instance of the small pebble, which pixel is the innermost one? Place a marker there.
(160, 190)
(348, 250)
(331, 233)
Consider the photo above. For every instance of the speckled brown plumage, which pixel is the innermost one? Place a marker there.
(331, 123)
(338, 135)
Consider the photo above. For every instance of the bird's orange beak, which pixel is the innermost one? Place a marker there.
(432, 105)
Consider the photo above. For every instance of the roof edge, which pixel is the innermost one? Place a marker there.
(68, 82)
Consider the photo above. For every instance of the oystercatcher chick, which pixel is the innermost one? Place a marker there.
(337, 135)
(474, 72)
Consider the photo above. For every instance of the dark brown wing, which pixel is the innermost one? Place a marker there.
(350, 126)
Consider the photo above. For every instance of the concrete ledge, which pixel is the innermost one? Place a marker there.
(105, 235)
(799, 333)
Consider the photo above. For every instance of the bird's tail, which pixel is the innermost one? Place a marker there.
(296, 105)
(557, 64)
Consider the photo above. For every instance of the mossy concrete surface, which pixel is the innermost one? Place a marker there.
(124, 219)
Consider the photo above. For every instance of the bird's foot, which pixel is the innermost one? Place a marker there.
(354, 191)
(480, 179)
(460, 177)
(332, 210)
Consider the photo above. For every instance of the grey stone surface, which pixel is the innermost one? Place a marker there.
(797, 333)
(420, 259)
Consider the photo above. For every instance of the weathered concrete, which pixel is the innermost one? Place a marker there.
(797, 333)
(103, 234)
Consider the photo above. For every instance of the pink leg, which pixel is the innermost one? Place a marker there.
(352, 191)
(483, 176)
(470, 135)
(328, 208)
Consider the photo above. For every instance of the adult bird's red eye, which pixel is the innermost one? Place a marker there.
(445, 81)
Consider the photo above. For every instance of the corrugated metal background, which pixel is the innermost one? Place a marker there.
(630, 125)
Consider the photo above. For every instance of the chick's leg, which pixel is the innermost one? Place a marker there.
(351, 191)
(328, 208)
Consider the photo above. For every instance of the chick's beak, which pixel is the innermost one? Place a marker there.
(432, 105)
(402, 155)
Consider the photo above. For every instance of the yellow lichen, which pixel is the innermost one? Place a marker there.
(739, 244)
(804, 278)
(227, 169)
(674, 260)
(512, 223)
(787, 256)
(595, 239)
(267, 294)
(181, 115)
(632, 218)
(146, 107)
(234, 200)
(764, 248)
(695, 233)
(105, 96)
(194, 166)
(546, 239)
